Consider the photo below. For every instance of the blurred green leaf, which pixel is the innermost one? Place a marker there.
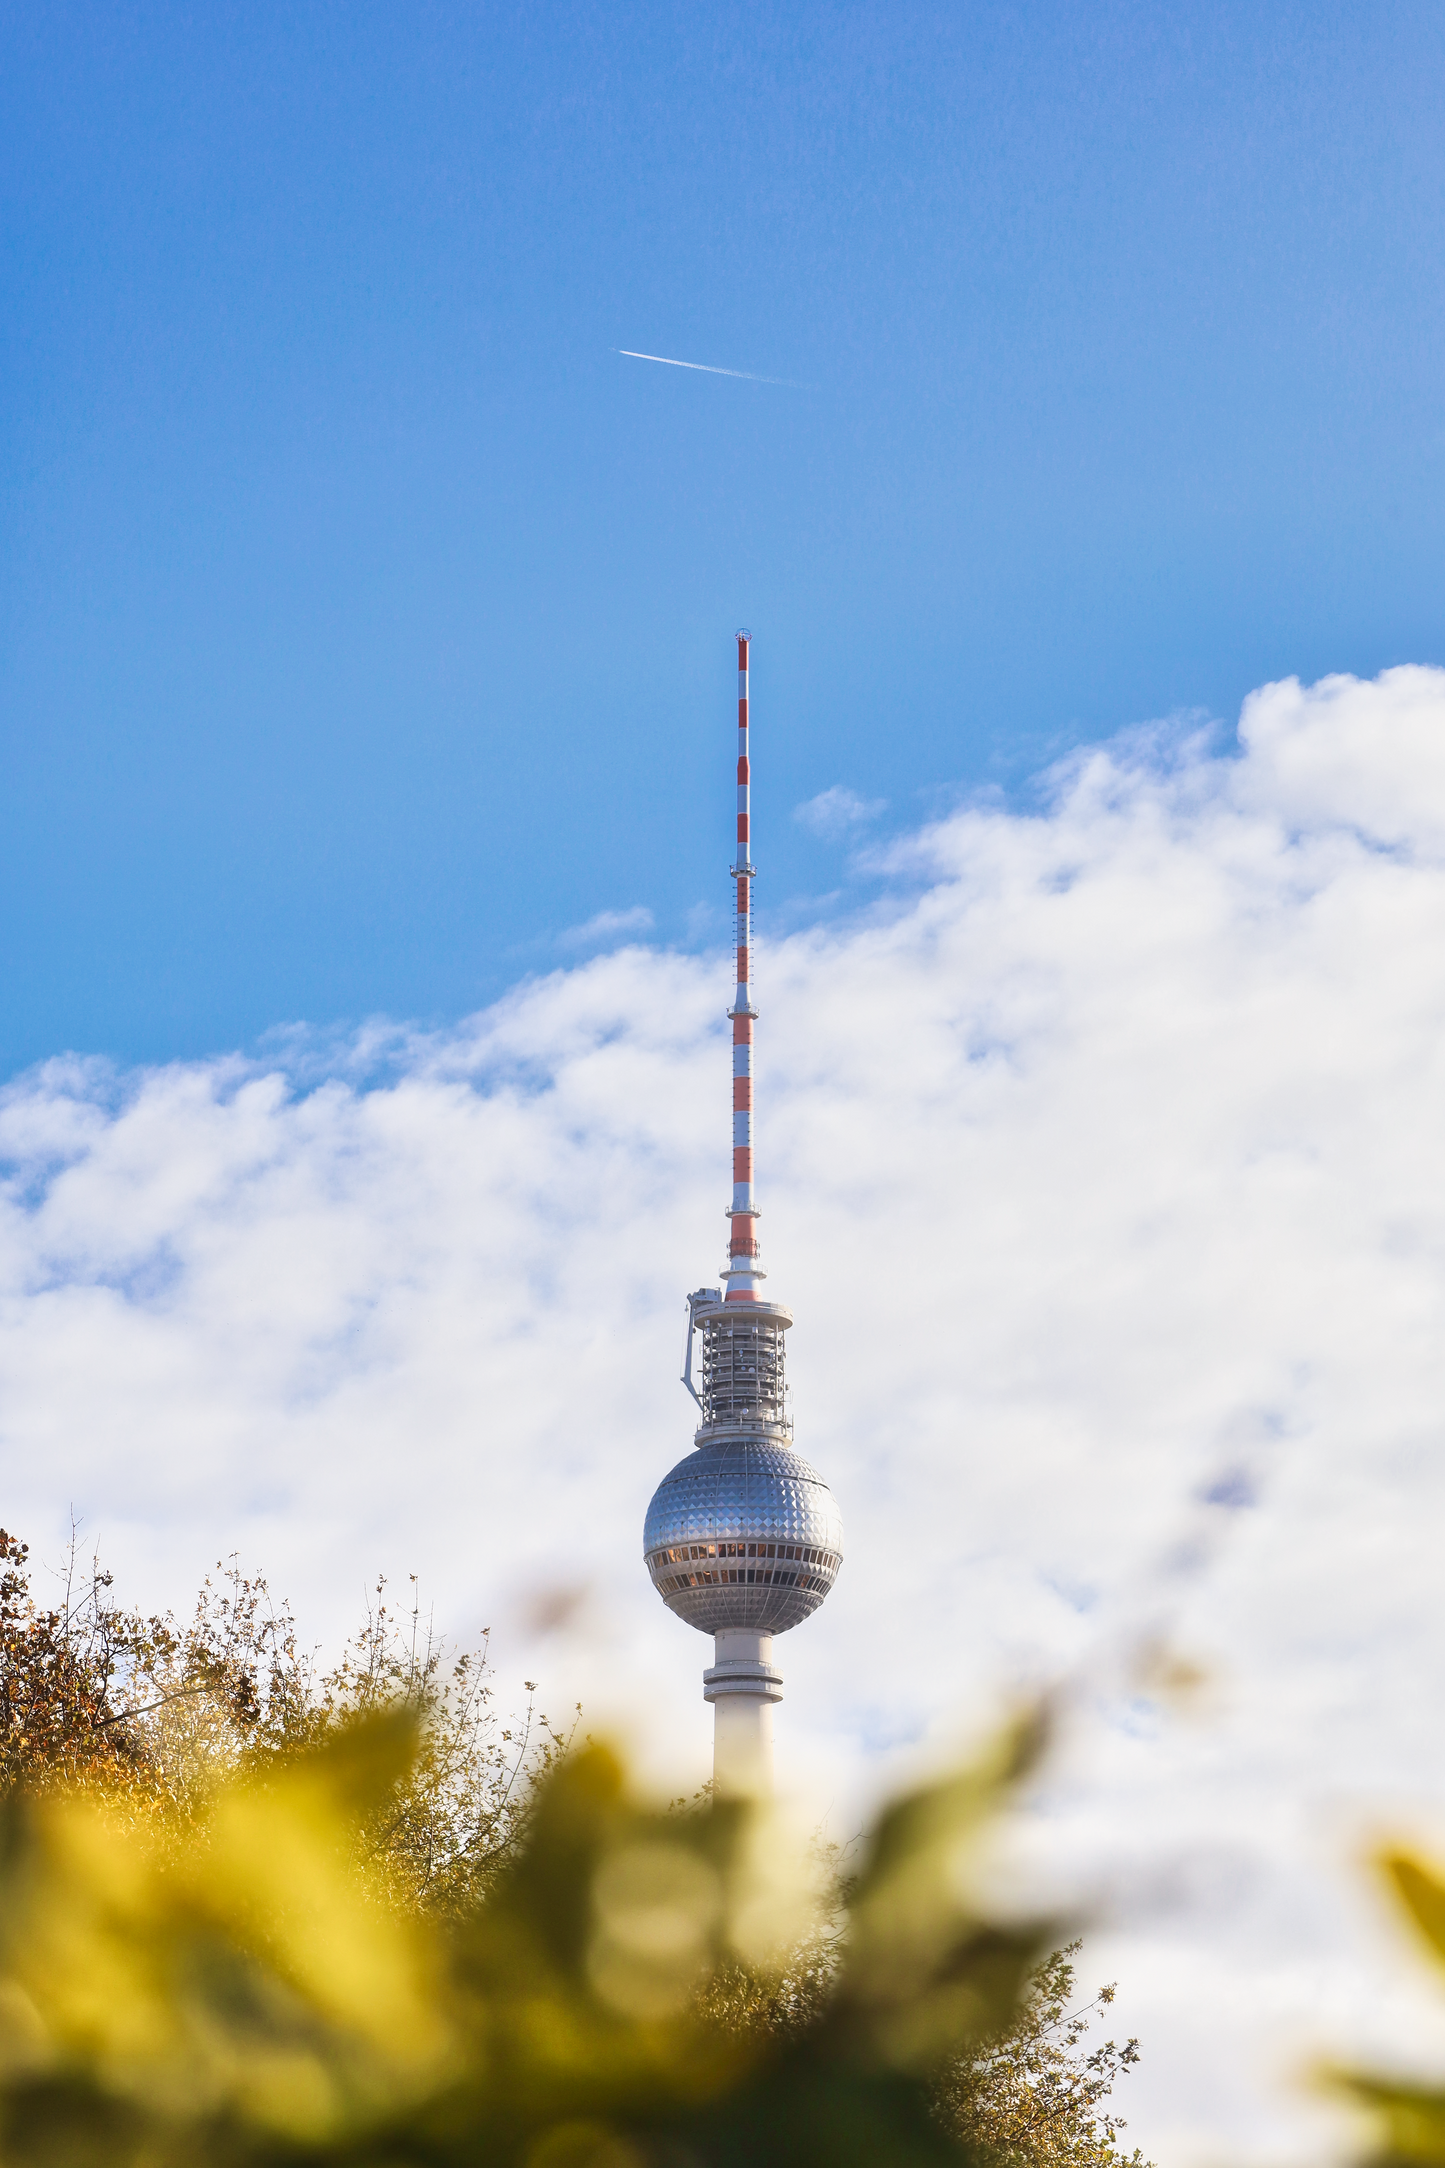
(1409, 2119)
(923, 1975)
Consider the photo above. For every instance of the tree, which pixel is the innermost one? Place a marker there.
(64, 1671)
(1031, 2095)
(93, 1695)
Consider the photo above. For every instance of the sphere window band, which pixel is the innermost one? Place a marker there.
(814, 1569)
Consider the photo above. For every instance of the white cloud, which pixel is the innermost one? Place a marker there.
(837, 812)
(1105, 1169)
(607, 926)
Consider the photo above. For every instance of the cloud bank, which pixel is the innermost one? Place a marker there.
(1104, 1167)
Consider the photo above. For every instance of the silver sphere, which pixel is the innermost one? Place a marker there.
(743, 1533)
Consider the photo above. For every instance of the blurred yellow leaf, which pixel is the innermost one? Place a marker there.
(1421, 1893)
(251, 1967)
(243, 1984)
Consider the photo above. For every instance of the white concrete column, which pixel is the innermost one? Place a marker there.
(742, 1686)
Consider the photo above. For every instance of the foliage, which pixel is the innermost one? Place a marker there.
(58, 1665)
(1033, 2093)
(240, 1986)
(252, 1911)
(156, 1713)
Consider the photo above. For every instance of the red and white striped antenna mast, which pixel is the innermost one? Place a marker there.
(744, 1271)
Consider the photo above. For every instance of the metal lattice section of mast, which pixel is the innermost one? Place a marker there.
(744, 1381)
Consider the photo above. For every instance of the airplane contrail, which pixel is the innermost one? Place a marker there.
(709, 369)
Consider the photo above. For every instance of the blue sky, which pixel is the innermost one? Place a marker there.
(366, 618)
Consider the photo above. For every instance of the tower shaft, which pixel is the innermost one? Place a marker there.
(742, 1685)
(744, 1269)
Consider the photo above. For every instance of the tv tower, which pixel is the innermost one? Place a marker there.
(744, 1539)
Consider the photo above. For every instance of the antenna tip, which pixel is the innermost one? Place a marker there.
(743, 633)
